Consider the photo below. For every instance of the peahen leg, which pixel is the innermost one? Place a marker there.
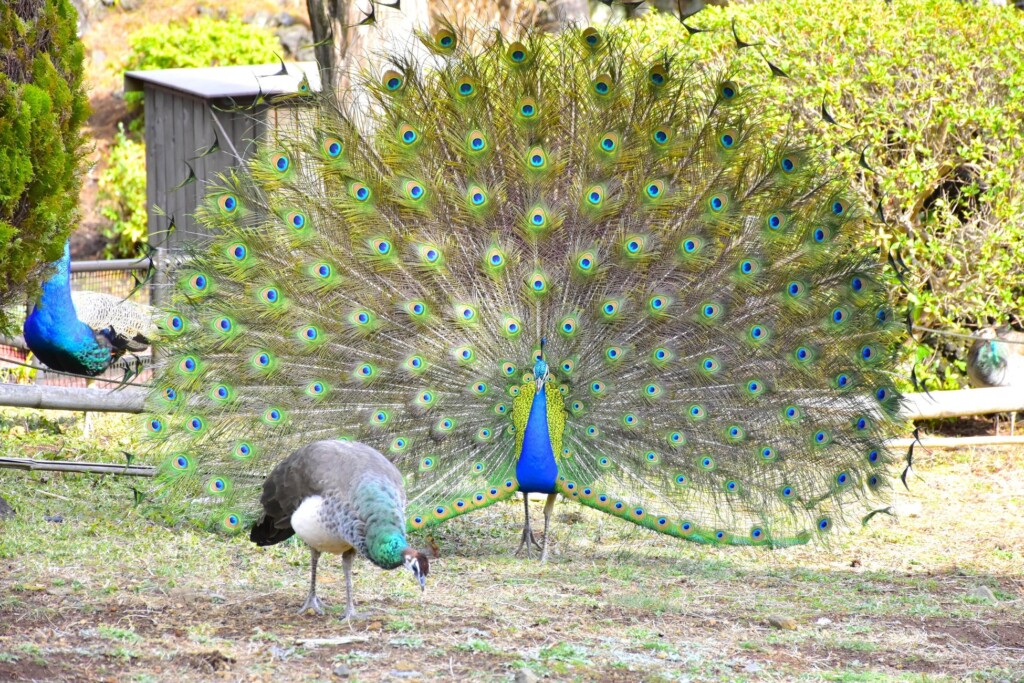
(312, 602)
(346, 562)
(548, 507)
(527, 538)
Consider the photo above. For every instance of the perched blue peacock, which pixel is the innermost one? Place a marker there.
(83, 332)
(546, 266)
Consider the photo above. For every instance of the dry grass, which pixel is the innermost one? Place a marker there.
(106, 595)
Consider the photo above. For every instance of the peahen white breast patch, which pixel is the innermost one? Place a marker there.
(309, 524)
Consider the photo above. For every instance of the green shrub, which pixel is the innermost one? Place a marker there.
(203, 41)
(935, 90)
(123, 197)
(42, 108)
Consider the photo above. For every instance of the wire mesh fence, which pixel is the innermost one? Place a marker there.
(121, 278)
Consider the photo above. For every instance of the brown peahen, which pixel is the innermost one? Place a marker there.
(997, 360)
(343, 498)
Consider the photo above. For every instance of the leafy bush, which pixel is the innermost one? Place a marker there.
(123, 197)
(934, 90)
(203, 41)
(42, 108)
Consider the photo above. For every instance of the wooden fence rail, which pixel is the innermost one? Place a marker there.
(938, 404)
(42, 397)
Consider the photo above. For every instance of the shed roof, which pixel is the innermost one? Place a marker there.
(217, 82)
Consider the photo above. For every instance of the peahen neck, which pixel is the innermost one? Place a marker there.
(536, 469)
(378, 505)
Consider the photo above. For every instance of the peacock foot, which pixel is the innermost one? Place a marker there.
(312, 603)
(526, 542)
(350, 613)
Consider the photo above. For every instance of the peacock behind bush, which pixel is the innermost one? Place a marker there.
(549, 265)
(83, 332)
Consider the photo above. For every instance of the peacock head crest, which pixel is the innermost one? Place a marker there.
(418, 563)
(540, 368)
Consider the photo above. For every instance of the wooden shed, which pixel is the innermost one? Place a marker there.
(189, 110)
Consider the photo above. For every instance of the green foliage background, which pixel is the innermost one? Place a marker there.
(201, 42)
(925, 86)
(42, 108)
(122, 197)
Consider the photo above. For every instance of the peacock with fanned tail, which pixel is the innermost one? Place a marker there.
(549, 265)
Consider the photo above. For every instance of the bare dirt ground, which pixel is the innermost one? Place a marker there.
(933, 594)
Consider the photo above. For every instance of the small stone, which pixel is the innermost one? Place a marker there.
(783, 623)
(261, 19)
(6, 511)
(342, 671)
(56, 519)
(296, 39)
(984, 593)
(526, 676)
(823, 621)
(284, 19)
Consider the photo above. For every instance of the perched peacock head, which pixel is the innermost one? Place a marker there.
(417, 562)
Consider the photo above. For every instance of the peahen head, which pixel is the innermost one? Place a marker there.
(990, 355)
(418, 563)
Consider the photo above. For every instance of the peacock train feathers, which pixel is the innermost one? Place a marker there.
(546, 265)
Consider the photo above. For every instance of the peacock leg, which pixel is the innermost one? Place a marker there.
(346, 561)
(87, 416)
(548, 507)
(1013, 422)
(312, 602)
(527, 538)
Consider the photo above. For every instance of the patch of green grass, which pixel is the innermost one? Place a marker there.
(400, 625)
(476, 645)
(115, 633)
(856, 645)
(565, 652)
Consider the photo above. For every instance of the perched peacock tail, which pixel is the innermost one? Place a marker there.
(720, 351)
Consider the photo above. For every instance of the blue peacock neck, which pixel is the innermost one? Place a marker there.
(539, 419)
(536, 469)
(55, 334)
(56, 291)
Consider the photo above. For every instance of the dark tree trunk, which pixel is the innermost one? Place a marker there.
(343, 43)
